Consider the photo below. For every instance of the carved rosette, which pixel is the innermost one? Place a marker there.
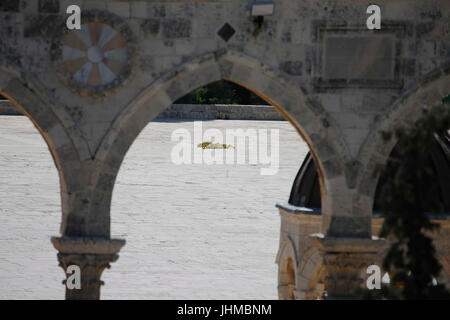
(345, 260)
(97, 58)
(92, 256)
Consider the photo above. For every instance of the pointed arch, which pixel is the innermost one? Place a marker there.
(309, 119)
(21, 92)
(430, 92)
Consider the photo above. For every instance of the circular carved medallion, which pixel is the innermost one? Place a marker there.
(96, 58)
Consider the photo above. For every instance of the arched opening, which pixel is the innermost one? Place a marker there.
(438, 164)
(306, 193)
(312, 123)
(306, 190)
(422, 167)
(30, 206)
(196, 230)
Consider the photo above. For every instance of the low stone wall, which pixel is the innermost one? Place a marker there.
(221, 111)
(7, 108)
(195, 111)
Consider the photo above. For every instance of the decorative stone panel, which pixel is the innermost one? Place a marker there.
(97, 58)
(352, 56)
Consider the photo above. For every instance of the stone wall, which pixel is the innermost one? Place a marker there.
(221, 111)
(7, 108)
(195, 112)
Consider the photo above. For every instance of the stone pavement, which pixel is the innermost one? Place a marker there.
(192, 231)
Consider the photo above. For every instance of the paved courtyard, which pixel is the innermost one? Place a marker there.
(193, 231)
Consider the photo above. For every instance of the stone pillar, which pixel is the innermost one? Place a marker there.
(92, 256)
(345, 260)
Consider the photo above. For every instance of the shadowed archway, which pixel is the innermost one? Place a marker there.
(375, 151)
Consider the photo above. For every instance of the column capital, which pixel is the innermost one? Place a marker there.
(353, 245)
(87, 245)
(344, 260)
(92, 256)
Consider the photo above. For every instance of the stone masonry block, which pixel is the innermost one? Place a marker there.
(92, 4)
(9, 5)
(176, 28)
(49, 6)
(122, 9)
(139, 9)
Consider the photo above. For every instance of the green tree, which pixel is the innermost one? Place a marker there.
(409, 184)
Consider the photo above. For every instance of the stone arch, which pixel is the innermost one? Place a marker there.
(22, 94)
(405, 111)
(311, 276)
(287, 270)
(309, 118)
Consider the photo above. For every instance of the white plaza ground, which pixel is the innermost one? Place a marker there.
(193, 231)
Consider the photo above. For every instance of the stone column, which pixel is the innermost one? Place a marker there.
(345, 260)
(92, 256)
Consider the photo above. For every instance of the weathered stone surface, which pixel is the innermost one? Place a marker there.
(49, 6)
(176, 28)
(344, 260)
(42, 25)
(92, 256)
(150, 26)
(9, 5)
(292, 67)
(343, 58)
(339, 84)
(342, 226)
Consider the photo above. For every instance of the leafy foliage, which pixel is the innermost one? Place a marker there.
(405, 196)
(446, 100)
(222, 92)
